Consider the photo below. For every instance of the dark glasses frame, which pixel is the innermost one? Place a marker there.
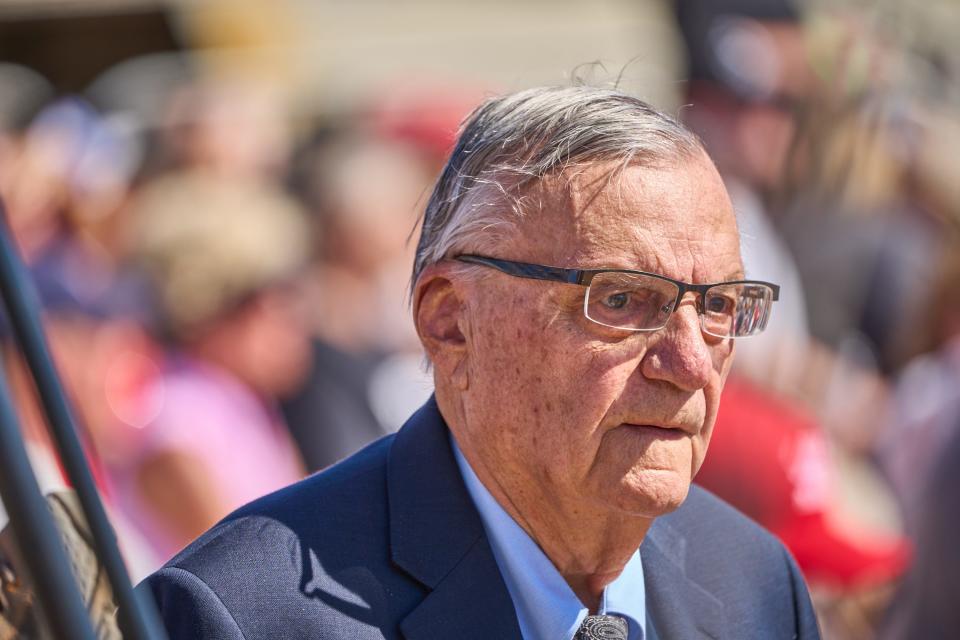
(583, 277)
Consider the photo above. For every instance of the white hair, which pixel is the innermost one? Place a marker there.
(510, 141)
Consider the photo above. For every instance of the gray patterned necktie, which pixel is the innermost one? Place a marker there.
(602, 627)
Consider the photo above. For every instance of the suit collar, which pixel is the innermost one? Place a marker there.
(437, 537)
(677, 606)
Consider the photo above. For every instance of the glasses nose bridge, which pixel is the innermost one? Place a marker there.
(699, 292)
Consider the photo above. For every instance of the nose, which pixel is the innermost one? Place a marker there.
(678, 353)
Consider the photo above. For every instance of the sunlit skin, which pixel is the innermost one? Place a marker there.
(585, 434)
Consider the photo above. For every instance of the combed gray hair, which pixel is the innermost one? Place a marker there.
(510, 141)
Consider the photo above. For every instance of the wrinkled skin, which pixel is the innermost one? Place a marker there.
(548, 407)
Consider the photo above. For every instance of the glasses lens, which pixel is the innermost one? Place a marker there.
(736, 310)
(630, 301)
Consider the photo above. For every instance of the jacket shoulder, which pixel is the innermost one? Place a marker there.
(351, 494)
(304, 560)
(743, 565)
(720, 537)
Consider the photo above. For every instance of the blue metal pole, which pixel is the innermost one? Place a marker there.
(36, 534)
(138, 617)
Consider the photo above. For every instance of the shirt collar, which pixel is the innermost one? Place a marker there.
(546, 606)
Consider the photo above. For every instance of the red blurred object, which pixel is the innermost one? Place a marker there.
(770, 460)
(425, 114)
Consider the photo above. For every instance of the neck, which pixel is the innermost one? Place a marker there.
(588, 544)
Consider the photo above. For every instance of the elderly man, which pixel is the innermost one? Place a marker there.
(578, 289)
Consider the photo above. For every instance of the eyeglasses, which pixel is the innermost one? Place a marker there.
(640, 301)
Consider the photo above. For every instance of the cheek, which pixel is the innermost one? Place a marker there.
(541, 388)
(723, 359)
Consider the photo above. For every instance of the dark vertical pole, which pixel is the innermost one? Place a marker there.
(36, 533)
(138, 616)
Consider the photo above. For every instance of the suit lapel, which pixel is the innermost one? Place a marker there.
(470, 602)
(437, 537)
(677, 606)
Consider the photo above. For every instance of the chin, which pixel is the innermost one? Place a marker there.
(652, 493)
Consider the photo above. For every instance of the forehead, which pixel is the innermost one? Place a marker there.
(673, 219)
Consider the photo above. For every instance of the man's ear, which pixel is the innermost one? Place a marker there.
(439, 316)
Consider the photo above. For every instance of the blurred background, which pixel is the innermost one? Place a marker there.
(216, 202)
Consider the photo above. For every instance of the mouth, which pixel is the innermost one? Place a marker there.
(657, 431)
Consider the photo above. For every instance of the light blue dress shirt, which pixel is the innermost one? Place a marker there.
(547, 608)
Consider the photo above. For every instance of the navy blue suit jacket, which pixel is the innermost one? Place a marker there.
(387, 544)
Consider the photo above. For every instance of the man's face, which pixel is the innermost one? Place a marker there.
(583, 412)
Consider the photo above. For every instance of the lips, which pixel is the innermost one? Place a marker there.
(658, 431)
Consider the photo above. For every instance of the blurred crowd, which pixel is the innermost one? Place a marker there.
(224, 289)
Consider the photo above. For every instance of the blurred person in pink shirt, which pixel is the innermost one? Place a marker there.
(220, 242)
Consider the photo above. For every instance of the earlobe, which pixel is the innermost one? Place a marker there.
(440, 321)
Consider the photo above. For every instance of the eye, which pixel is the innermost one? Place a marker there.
(635, 301)
(718, 304)
(616, 300)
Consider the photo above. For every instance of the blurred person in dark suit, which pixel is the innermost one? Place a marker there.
(926, 605)
(544, 491)
(366, 357)
(924, 412)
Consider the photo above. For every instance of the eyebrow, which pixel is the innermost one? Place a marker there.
(572, 275)
(739, 274)
(732, 276)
